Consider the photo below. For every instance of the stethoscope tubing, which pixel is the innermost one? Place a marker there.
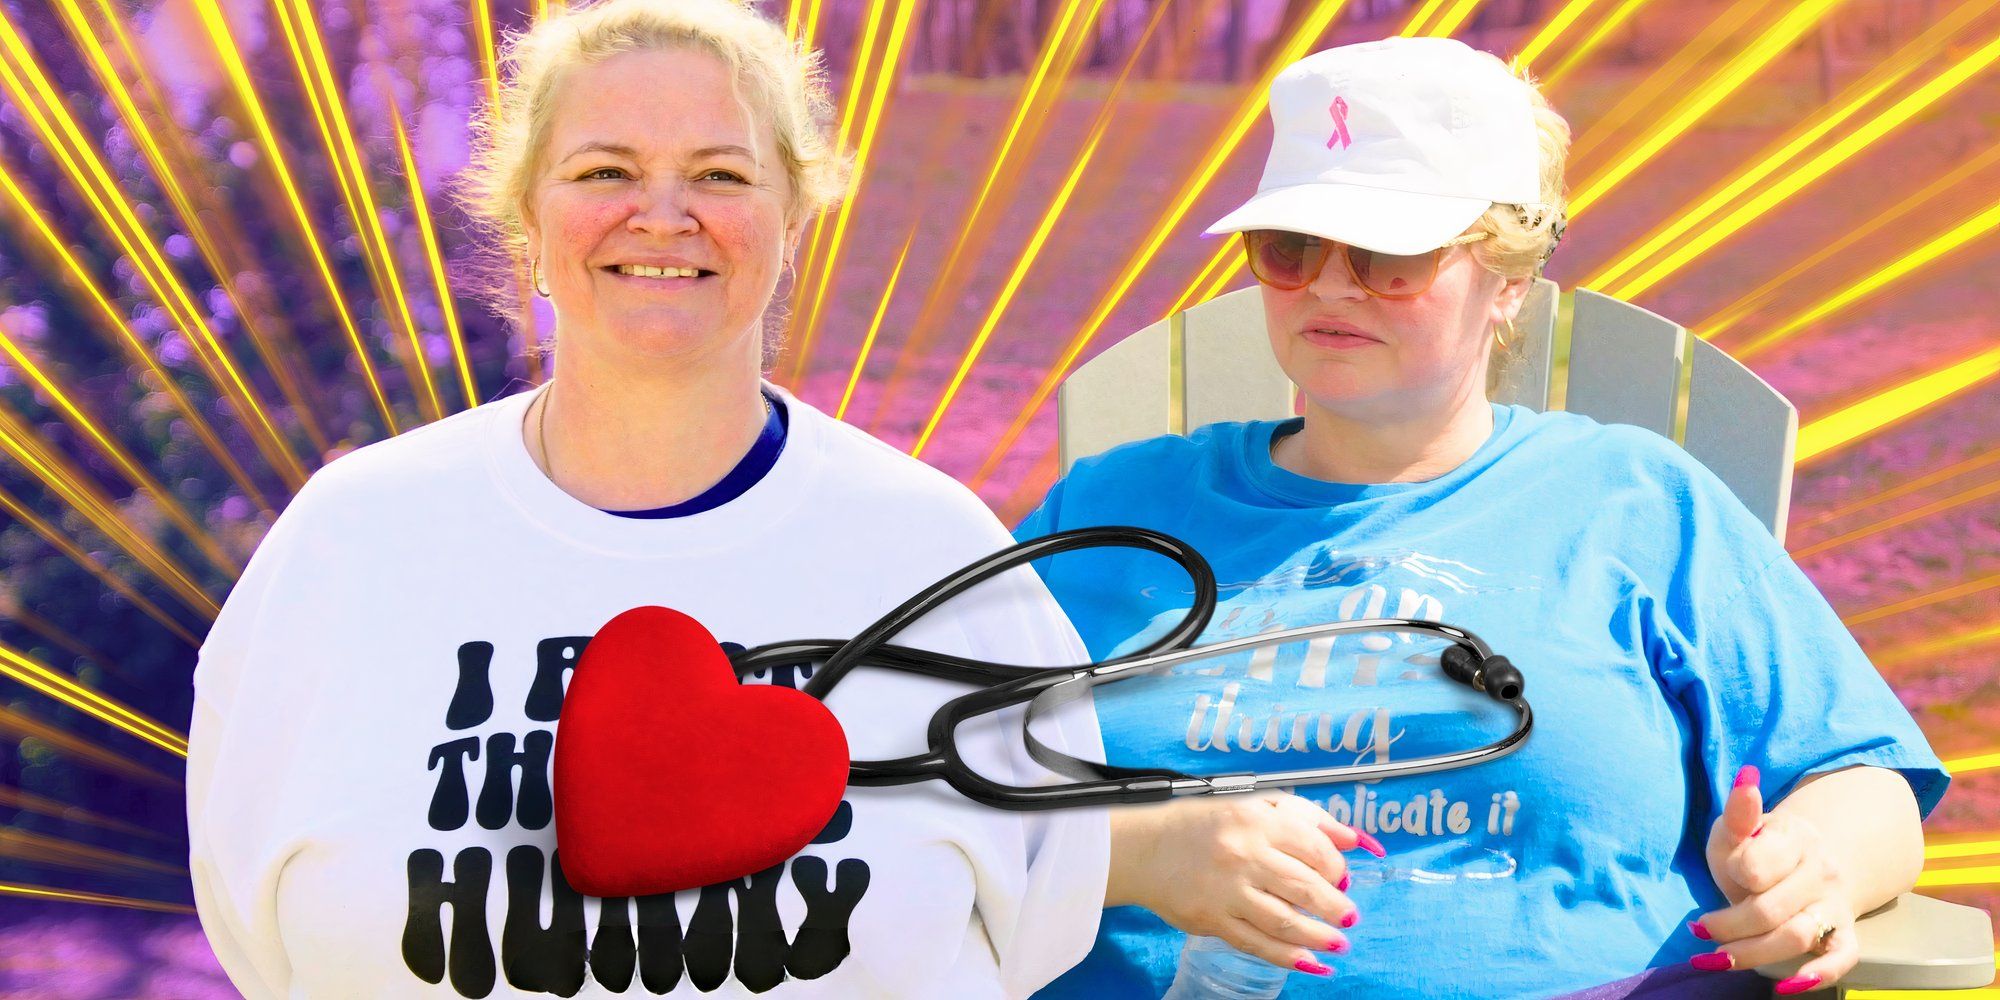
(1044, 689)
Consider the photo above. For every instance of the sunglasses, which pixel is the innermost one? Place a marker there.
(1290, 261)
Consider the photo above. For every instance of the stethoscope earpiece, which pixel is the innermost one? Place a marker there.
(1042, 689)
(1494, 675)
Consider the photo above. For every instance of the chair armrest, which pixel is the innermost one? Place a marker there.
(1916, 942)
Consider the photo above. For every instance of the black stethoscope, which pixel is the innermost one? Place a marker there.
(1043, 690)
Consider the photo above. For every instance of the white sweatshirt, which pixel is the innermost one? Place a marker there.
(368, 766)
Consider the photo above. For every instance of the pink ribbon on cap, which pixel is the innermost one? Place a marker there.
(1339, 112)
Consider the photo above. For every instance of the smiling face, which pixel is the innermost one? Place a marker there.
(1380, 360)
(658, 210)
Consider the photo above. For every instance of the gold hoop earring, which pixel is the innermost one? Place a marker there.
(1511, 337)
(535, 276)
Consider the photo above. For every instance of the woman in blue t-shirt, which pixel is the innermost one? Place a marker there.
(1681, 666)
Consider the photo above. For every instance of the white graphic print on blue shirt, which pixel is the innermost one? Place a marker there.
(1665, 637)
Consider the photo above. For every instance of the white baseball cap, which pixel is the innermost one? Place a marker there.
(1396, 146)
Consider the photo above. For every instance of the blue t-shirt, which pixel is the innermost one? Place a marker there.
(1666, 640)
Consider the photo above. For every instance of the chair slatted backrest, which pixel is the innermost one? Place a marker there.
(1213, 362)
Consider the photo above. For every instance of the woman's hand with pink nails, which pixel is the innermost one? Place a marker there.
(1258, 871)
(1783, 888)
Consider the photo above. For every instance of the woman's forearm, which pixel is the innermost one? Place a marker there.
(1131, 853)
(1868, 820)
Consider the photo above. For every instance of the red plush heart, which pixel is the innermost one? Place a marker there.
(669, 774)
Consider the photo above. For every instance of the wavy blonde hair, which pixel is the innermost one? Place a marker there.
(782, 79)
(1524, 236)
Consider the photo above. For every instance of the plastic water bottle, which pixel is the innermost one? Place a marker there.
(1213, 970)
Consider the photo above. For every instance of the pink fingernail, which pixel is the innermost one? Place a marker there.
(1695, 928)
(1747, 776)
(1796, 984)
(1367, 842)
(1338, 946)
(1307, 965)
(1345, 881)
(1351, 919)
(1713, 961)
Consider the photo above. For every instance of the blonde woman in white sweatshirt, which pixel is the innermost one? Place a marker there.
(369, 800)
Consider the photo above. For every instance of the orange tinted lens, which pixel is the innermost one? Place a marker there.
(1284, 259)
(1393, 275)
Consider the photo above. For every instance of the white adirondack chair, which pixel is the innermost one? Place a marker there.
(1213, 362)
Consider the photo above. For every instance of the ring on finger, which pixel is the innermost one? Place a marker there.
(1822, 935)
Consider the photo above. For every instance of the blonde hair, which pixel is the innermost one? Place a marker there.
(784, 80)
(1524, 236)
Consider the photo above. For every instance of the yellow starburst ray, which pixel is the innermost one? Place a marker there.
(94, 898)
(1738, 71)
(1837, 114)
(1224, 278)
(216, 27)
(1106, 113)
(199, 219)
(91, 665)
(1413, 26)
(68, 547)
(1923, 600)
(811, 33)
(40, 805)
(875, 326)
(12, 611)
(1978, 875)
(28, 85)
(1032, 107)
(482, 30)
(860, 77)
(885, 76)
(113, 713)
(1222, 267)
(1864, 418)
(68, 483)
(329, 109)
(1958, 499)
(1976, 762)
(857, 91)
(1874, 500)
(32, 220)
(1675, 79)
(1944, 243)
(21, 726)
(1936, 647)
(1246, 115)
(489, 60)
(126, 464)
(434, 257)
(1032, 486)
(1551, 31)
(1006, 296)
(1851, 142)
(1452, 18)
(1960, 178)
(42, 849)
(1617, 18)
(1961, 848)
